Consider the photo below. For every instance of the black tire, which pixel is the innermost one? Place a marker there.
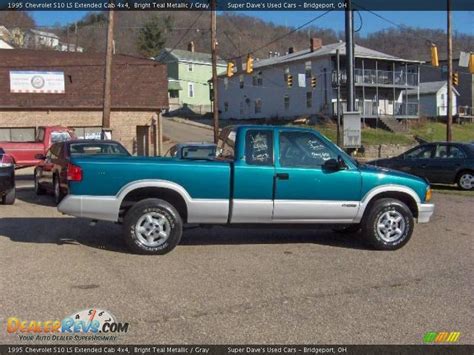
(465, 180)
(159, 211)
(58, 193)
(9, 198)
(38, 189)
(347, 229)
(385, 212)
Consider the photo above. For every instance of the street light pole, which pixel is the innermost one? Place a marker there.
(215, 107)
(449, 120)
(108, 71)
(349, 26)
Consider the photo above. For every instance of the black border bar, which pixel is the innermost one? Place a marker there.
(235, 5)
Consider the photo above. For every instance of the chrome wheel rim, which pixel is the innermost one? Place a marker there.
(153, 229)
(391, 226)
(466, 181)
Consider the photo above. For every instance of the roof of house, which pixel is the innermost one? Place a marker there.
(5, 45)
(181, 55)
(84, 80)
(329, 49)
(431, 87)
(43, 33)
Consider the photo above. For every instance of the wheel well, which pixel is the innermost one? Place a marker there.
(401, 196)
(170, 196)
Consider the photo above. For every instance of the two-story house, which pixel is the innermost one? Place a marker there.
(303, 83)
(36, 39)
(188, 75)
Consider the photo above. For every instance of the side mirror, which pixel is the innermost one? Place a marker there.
(331, 165)
(40, 156)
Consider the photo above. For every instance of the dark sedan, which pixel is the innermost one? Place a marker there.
(51, 173)
(7, 179)
(440, 163)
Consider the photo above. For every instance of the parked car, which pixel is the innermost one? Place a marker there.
(263, 175)
(193, 151)
(7, 179)
(23, 153)
(51, 174)
(440, 163)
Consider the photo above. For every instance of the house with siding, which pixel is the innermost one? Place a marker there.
(434, 99)
(380, 80)
(189, 73)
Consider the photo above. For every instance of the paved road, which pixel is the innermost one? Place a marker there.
(180, 132)
(241, 286)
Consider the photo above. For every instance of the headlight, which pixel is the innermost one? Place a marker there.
(428, 194)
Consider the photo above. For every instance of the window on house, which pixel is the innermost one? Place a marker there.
(226, 106)
(190, 89)
(258, 106)
(241, 78)
(286, 101)
(190, 67)
(307, 69)
(309, 99)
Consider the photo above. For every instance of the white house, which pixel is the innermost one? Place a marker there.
(38, 39)
(434, 98)
(4, 45)
(5, 37)
(380, 80)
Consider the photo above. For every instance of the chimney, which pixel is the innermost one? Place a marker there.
(191, 46)
(316, 43)
(291, 50)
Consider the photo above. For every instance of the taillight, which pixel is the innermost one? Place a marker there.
(74, 173)
(6, 161)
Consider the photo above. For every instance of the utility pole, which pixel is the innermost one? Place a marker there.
(338, 109)
(449, 120)
(349, 56)
(108, 71)
(77, 37)
(215, 109)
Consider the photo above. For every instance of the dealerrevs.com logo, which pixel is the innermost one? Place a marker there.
(88, 324)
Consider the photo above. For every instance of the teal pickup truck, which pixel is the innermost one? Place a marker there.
(262, 175)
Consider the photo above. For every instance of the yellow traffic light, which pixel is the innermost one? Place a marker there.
(313, 81)
(289, 80)
(249, 65)
(230, 69)
(455, 79)
(471, 63)
(434, 56)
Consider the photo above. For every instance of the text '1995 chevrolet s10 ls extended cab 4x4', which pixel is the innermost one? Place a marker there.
(263, 175)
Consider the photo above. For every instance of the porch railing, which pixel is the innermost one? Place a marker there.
(370, 108)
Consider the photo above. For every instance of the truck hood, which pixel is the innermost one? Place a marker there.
(372, 169)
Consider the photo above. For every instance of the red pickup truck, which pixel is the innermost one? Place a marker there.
(23, 153)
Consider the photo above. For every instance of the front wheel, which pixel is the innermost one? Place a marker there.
(152, 226)
(466, 180)
(10, 197)
(388, 225)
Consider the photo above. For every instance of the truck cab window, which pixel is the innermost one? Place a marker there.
(259, 147)
(303, 150)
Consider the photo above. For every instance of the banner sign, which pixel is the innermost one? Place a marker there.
(352, 130)
(41, 82)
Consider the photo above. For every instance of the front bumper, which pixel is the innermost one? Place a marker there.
(425, 211)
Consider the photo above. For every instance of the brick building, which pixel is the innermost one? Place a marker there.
(139, 92)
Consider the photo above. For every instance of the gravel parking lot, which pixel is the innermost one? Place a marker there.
(225, 285)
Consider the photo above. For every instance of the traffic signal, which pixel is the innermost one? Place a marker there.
(313, 81)
(471, 63)
(289, 80)
(249, 65)
(230, 69)
(434, 56)
(455, 79)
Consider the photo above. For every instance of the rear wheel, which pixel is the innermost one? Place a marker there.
(466, 180)
(152, 226)
(388, 225)
(9, 197)
(38, 189)
(58, 194)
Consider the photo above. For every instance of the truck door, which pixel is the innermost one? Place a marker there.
(304, 190)
(254, 173)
